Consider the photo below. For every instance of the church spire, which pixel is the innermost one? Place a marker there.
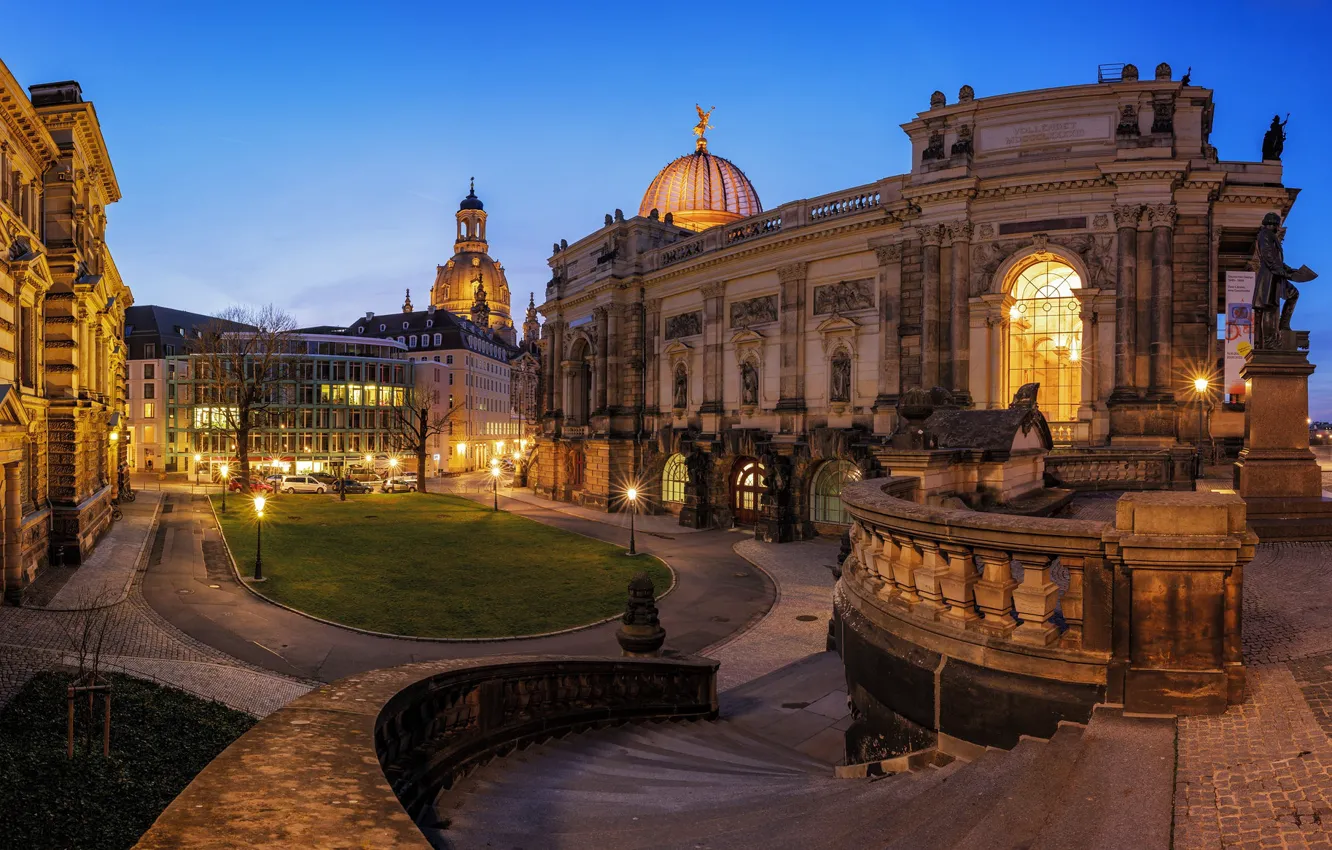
(480, 309)
(407, 302)
(531, 327)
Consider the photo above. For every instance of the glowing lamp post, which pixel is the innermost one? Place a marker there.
(1200, 386)
(226, 485)
(632, 494)
(494, 477)
(259, 538)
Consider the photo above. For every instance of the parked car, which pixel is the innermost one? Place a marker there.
(301, 484)
(273, 480)
(351, 485)
(325, 479)
(398, 485)
(238, 485)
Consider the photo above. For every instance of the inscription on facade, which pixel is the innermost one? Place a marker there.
(685, 324)
(845, 296)
(754, 311)
(1029, 133)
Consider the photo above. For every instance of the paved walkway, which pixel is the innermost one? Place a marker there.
(797, 625)
(105, 578)
(136, 639)
(1260, 775)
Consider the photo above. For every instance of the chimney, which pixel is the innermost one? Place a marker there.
(430, 311)
(369, 314)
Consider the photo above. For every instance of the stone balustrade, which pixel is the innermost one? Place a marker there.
(1121, 469)
(861, 201)
(360, 761)
(992, 626)
(752, 228)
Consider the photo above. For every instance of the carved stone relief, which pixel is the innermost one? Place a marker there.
(685, 324)
(845, 296)
(754, 311)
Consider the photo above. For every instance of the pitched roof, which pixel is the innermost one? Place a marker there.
(149, 323)
(453, 330)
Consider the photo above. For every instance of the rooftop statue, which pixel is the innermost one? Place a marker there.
(1272, 287)
(1274, 140)
(703, 115)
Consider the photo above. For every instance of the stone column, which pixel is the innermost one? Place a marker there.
(996, 321)
(13, 583)
(652, 360)
(555, 389)
(1163, 300)
(931, 238)
(792, 379)
(1088, 356)
(959, 237)
(1126, 301)
(713, 294)
(890, 343)
(598, 402)
(614, 361)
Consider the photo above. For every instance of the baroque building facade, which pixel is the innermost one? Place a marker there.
(1074, 237)
(62, 305)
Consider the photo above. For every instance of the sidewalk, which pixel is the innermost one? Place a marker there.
(478, 485)
(105, 578)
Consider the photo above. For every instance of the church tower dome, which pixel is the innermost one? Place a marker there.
(456, 281)
(701, 189)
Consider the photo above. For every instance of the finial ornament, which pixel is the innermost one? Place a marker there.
(471, 185)
(407, 302)
(703, 126)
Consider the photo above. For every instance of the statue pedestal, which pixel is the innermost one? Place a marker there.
(1276, 474)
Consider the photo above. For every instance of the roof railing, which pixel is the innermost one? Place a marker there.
(1112, 72)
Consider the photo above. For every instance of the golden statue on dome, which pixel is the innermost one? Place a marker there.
(703, 126)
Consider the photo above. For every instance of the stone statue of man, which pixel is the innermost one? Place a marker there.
(681, 388)
(1272, 289)
(841, 379)
(749, 378)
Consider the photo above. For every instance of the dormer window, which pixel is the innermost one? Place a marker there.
(381, 327)
(402, 339)
(430, 323)
(404, 326)
(413, 341)
(360, 329)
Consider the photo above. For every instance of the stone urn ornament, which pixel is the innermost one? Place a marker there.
(641, 634)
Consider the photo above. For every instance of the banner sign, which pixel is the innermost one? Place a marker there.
(1239, 327)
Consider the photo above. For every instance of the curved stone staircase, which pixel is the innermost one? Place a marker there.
(736, 784)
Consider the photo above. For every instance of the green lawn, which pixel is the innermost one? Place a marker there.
(160, 738)
(431, 566)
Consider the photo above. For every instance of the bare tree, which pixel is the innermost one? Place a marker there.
(414, 422)
(249, 361)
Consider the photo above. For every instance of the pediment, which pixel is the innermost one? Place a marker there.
(747, 336)
(12, 412)
(676, 348)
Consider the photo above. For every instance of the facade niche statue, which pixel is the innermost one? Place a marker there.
(1274, 140)
(1274, 297)
(681, 387)
(749, 389)
(841, 377)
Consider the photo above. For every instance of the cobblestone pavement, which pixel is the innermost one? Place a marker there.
(106, 576)
(137, 641)
(797, 625)
(1260, 775)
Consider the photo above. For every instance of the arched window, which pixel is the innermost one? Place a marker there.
(673, 479)
(826, 504)
(1045, 337)
(439, 339)
(748, 483)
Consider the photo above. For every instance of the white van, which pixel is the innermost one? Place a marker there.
(301, 484)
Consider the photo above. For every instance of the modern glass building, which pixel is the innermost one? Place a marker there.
(334, 409)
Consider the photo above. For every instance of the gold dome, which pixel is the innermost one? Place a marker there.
(701, 190)
(456, 280)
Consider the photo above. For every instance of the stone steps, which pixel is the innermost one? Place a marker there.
(708, 786)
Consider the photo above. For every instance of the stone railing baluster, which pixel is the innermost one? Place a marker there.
(1071, 602)
(958, 584)
(888, 556)
(904, 569)
(1035, 600)
(994, 592)
(929, 575)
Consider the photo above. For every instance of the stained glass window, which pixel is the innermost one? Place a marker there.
(1045, 337)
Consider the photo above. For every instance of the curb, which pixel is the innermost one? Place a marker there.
(754, 622)
(139, 565)
(235, 572)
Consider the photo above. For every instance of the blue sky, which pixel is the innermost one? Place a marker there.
(313, 155)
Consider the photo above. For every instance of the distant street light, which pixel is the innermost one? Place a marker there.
(633, 508)
(494, 476)
(226, 485)
(259, 541)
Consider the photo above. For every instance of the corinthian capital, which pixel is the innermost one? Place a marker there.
(1127, 215)
(932, 234)
(716, 289)
(958, 231)
(1162, 215)
(792, 272)
(888, 254)
(600, 313)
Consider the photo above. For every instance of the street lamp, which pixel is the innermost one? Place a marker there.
(494, 477)
(197, 457)
(1200, 386)
(226, 485)
(259, 539)
(632, 493)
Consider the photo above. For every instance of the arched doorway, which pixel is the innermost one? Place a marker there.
(580, 383)
(826, 494)
(1045, 336)
(748, 484)
(673, 479)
